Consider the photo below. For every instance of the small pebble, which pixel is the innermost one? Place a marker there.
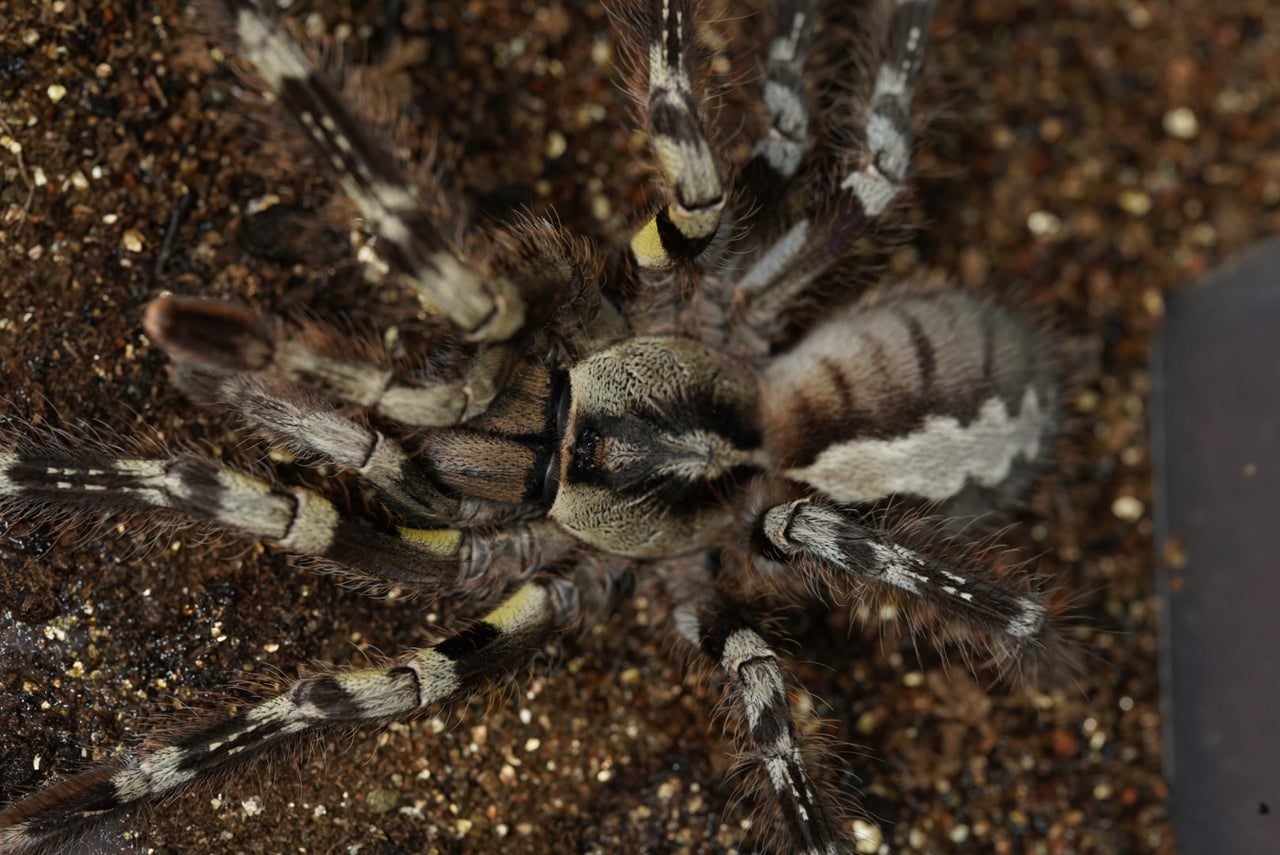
(1127, 508)
(1134, 202)
(867, 837)
(382, 800)
(1043, 223)
(1181, 123)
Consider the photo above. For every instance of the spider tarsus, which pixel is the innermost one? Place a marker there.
(209, 333)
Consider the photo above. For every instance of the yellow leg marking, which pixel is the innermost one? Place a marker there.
(439, 542)
(647, 247)
(527, 606)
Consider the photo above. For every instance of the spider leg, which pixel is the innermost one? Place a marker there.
(831, 549)
(870, 176)
(308, 426)
(484, 307)
(216, 337)
(685, 227)
(779, 153)
(768, 738)
(434, 678)
(36, 477)
(427, 476)
(205, 338)
(528, 272)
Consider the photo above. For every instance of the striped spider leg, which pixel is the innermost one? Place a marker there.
(489, 302)
(804, 819)
(434, 678)
(667, 417)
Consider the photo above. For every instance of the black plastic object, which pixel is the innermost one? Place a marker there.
(1216, 438)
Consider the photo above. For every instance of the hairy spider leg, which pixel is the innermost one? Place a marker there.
(484, 308)
(682, 229)
(871, 176)
(779, 153)
(833, 552)
(799, 817)
(39, 473)
(515, 286)
(436, 678)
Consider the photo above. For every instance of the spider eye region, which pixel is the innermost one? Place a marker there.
(585, 446)
(660, 430)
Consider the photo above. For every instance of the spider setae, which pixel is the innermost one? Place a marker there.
(570, 423)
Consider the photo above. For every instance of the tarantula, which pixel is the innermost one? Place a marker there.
(673, 411)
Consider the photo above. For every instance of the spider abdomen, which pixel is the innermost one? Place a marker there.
(914, 393)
